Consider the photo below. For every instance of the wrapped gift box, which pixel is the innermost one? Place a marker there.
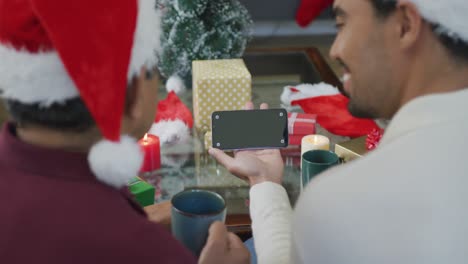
(295, 140)
(299, 126)
(218, 85)
(352, 149)
(142, 191)
(208, 140)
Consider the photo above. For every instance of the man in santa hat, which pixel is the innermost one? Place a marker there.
(405, 202)
(79, 80)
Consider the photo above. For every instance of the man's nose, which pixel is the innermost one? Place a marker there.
(334, 51)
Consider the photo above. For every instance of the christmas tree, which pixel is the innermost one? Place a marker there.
(200, 30)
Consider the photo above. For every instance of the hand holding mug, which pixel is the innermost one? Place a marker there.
(223, 247)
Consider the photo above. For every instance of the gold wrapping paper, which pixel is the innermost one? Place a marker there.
(208, 140)
(352, 149)
(218, 85)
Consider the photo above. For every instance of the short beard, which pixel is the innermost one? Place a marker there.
(360, 112)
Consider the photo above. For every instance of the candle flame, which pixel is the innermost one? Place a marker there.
(145, 137)
(316, 140)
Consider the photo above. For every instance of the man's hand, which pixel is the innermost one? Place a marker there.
(223, 247)
(255, 166)
(160, 213)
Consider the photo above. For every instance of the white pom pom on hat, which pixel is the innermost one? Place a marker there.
(65, 54)
(114, 162)
(176, 84)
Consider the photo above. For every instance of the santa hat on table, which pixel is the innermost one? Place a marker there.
(330, 106)
(173, 121)
(55, 50)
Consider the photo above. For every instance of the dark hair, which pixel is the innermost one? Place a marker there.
(71, 115)
(384, 8)
(456, 47)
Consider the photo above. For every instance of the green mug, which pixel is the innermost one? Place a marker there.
(315, 162)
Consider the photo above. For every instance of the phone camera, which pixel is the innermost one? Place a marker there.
(281, 114)
(217, 116)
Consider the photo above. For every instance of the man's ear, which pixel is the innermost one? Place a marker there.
(134, 101)
(411, 24)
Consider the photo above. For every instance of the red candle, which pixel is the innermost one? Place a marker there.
(152, 151)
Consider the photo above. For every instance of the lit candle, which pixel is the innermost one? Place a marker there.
(152, 153)
(312, 142)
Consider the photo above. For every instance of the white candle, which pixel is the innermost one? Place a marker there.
(312, 142)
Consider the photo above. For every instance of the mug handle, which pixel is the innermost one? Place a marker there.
(341, 160)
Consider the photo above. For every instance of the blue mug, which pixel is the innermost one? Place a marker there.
(193, 211)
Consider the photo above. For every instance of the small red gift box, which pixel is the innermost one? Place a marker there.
(295, 139)
(300, 125)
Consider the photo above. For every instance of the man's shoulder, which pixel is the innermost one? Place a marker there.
(97, 220)
(141, 241)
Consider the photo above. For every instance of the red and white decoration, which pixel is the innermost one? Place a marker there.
(173, 121)
(330, 107)
(56, 50)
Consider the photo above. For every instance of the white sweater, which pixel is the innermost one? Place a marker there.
(406, 202)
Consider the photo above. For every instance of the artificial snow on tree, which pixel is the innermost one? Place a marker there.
(200, 30)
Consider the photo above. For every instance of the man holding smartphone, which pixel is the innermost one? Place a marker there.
(405, 202)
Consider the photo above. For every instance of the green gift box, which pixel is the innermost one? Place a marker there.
(143, 191)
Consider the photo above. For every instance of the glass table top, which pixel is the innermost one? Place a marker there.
(189, 166)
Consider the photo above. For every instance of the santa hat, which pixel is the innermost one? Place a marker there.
(55, 50)
(173, 121)
(449, 15)
(330, 106)
(309, 10)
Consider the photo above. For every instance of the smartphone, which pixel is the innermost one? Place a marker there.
(249, 129)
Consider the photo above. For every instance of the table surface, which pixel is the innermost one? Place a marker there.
(189, 166)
